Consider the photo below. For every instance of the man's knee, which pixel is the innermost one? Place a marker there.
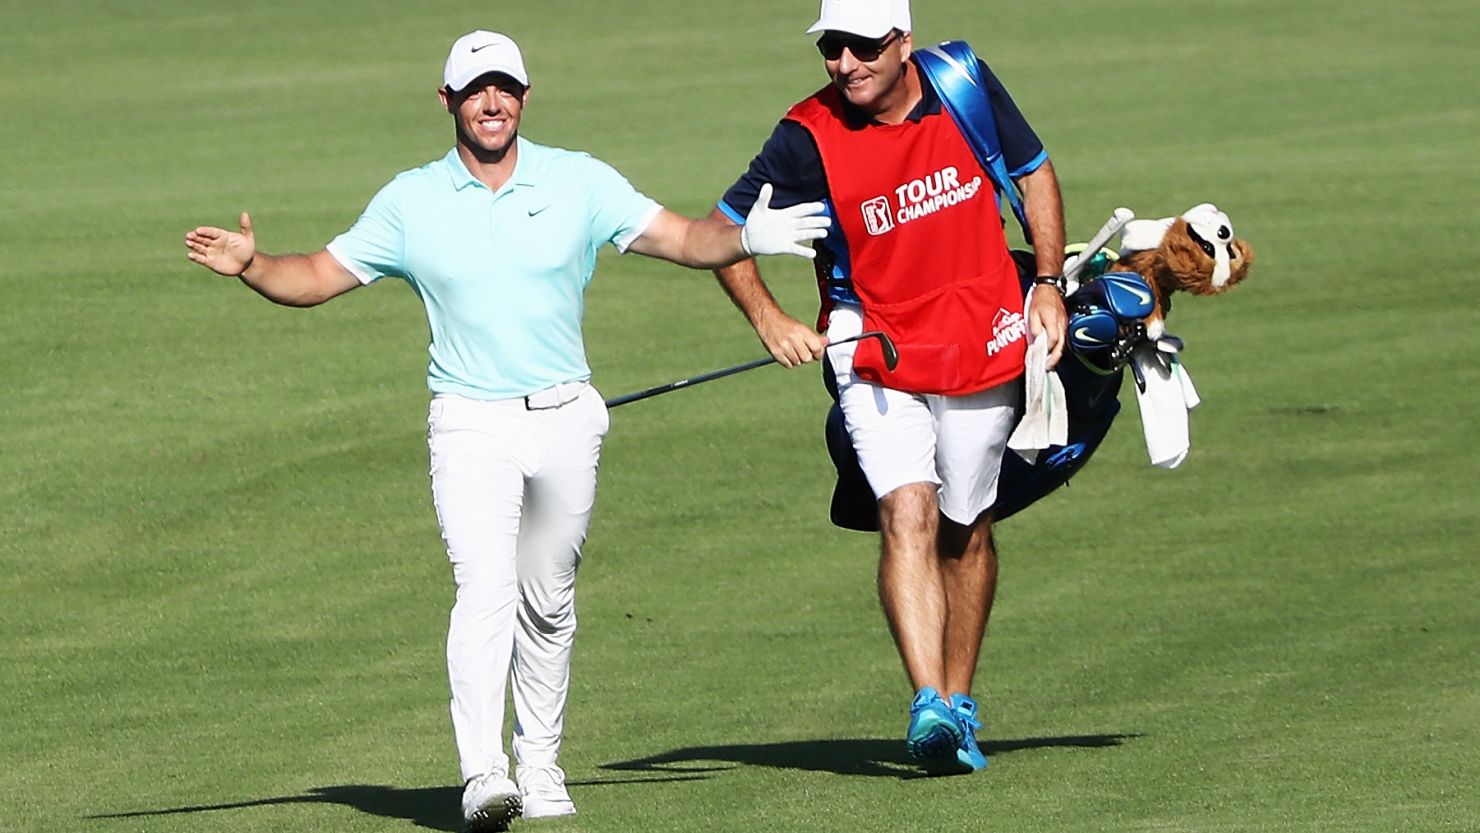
(908, 512)
(967, 541)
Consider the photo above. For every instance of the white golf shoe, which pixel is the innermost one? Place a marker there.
(490, 802)
(543, 791)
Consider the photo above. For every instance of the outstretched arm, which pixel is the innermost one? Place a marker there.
(1045, 210)
(290, 280)
(712, 242)
(788, 340)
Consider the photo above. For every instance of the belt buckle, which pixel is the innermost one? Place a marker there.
(552, 397)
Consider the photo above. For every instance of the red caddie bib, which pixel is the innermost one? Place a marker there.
(927, 254)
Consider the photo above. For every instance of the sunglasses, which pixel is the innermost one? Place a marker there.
(864, 49)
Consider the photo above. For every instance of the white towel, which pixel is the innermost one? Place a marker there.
(1045, 419)
(1164, 404)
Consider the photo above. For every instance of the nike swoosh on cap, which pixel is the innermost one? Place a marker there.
(484, 46)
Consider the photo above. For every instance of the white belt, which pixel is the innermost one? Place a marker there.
(554, 396)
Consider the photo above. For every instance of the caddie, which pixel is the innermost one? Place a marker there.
(917, 250)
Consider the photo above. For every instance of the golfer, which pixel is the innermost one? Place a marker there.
(499, 239)
(919, 252)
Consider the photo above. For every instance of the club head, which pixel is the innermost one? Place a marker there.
(891, 355)
(1169, 344)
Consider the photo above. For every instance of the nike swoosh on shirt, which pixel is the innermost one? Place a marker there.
(535, 209)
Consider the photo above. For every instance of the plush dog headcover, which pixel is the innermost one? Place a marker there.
(1194, 253)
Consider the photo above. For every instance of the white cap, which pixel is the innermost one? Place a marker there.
(481, 52)
(866, 18)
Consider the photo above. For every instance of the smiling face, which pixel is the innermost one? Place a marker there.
(486, 113)
(872, 73)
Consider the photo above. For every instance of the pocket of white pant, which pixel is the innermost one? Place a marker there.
(602, 415)
(456, 432)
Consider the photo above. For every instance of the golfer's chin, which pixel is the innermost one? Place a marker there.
(489, 147)
(864, 96)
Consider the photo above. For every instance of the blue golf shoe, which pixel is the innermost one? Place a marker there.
(968, 754)
(934, 733)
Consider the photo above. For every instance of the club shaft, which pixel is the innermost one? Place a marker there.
(1112, 227)
(694, 380)
(718, 374)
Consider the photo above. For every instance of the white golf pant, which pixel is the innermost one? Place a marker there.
(513, 489)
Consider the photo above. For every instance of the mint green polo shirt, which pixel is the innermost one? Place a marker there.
(502, 273)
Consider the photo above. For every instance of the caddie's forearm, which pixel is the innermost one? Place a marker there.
(742, 282)
(289, 280)
(1045, 209)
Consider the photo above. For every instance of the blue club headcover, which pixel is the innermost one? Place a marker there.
(1093, 330)
(1126, 295)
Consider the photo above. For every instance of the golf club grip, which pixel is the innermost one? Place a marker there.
(1118, 218)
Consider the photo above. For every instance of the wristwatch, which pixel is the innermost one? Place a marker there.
(1055, 281)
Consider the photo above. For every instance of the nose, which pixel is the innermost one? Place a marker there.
(847, 62)
(490, 99)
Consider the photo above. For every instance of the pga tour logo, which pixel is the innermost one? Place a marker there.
(919, 198)
(876, 216)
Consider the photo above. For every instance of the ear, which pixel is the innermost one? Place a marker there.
(445, 96)
(906, 46)
(1241, 257)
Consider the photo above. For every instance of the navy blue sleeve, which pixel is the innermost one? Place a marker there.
(790, 162)
(1021, 148)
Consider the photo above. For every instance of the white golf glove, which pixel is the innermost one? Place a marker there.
(782, 231)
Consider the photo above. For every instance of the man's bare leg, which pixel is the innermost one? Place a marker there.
(911, 588)
(969, 572)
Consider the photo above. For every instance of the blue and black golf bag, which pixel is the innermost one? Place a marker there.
(1106, 315)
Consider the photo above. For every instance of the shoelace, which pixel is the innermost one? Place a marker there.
(543, 780)
(966, 712)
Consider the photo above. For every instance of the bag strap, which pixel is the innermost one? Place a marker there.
(952, 69)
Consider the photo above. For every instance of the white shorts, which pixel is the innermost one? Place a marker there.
(954, 442)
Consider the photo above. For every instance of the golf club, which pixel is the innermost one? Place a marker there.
(1118, 218)
(891, 360)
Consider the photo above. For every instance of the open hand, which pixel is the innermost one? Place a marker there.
(224, 252)
(782, 231)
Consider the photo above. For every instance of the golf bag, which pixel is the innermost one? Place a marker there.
(1105, 323)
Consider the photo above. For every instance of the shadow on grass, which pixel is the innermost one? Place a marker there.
(432, 808)
(439, 808)
(869, 757)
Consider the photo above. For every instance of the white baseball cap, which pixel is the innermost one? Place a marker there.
(481, 52)
(866, 18)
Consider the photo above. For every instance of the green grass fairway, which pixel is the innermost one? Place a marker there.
(223, 595)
